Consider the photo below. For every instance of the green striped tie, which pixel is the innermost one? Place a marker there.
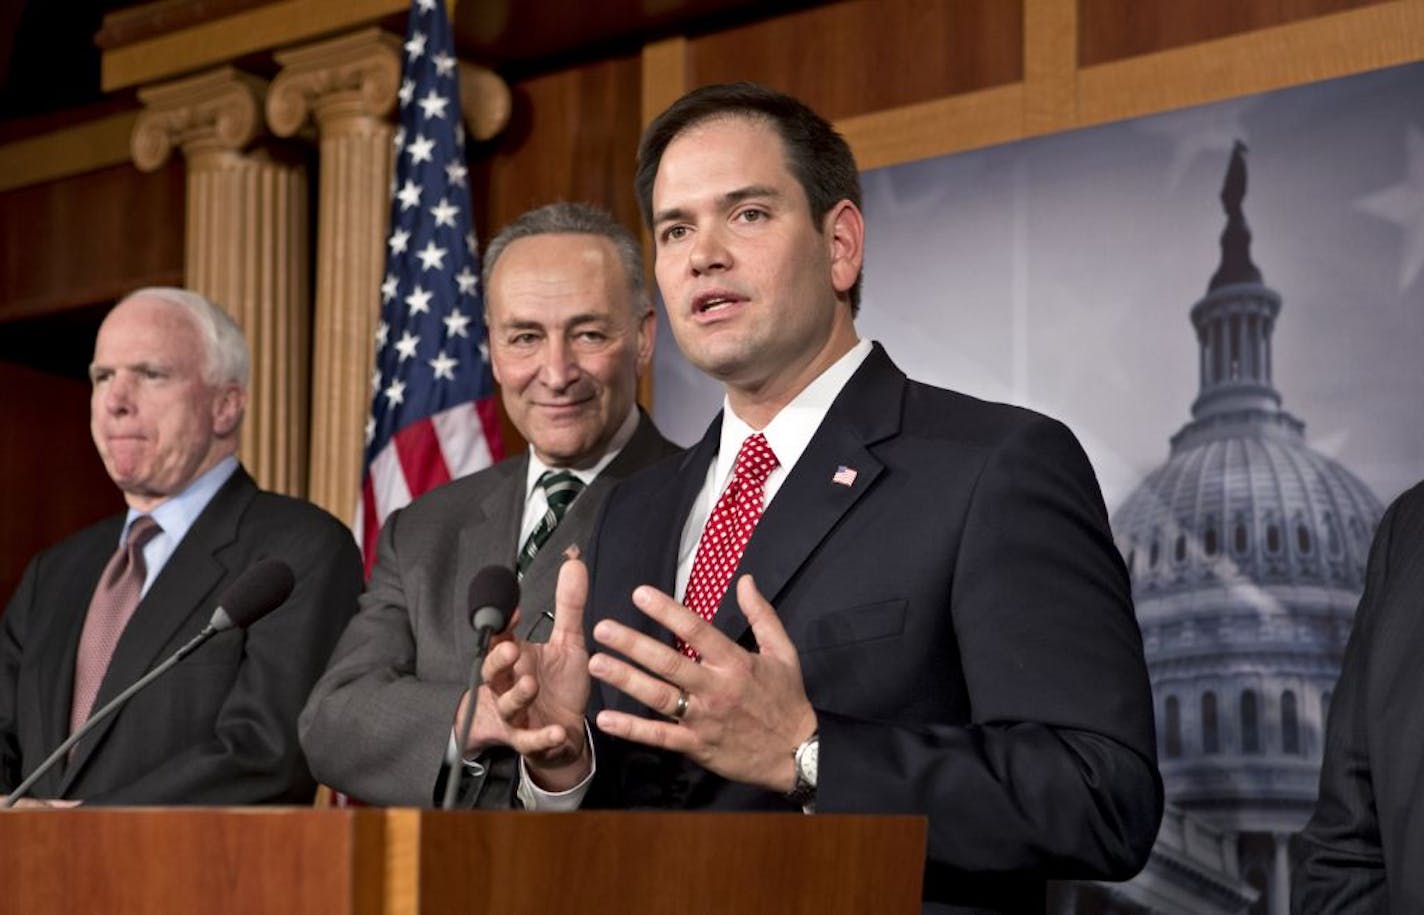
(560, 488)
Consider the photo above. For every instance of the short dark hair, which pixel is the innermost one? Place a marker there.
(564, 218)
(816, 154)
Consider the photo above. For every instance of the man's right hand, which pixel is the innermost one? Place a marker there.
(536, 693)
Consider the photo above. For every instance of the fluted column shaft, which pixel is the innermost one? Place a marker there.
(348, 87)
(246, 247)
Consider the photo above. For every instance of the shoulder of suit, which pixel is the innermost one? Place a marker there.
(940, 412)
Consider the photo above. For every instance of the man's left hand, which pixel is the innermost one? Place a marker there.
(745, 712)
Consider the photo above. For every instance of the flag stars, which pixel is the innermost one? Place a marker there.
(433, 105)
(409, 195)
(407, 92)
(470, 241)
(444, 213)
(467, 280)
(398, 140)
(444, 64)
(416, 46)
(388, 291)
(419, 301)
(383, 330)
(370, 429)
(443, 365)
(455, 173)
(426, 6)
(406, 345)
(431, 257)
(399, 241)
(455, 323)
(395, 392)
(421, 149)
(376, 380)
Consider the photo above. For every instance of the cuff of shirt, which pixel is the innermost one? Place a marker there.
(535, 798)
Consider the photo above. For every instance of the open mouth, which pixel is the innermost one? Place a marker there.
(712, 302)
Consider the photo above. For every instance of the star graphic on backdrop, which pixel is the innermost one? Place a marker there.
(484, 351)
(455, 173)
(409, 195)
(383, 333)
(416, 46)
(433, 105)
(426, 6)
(420, 149)
(444, 64)
(419, 301)
(407, 92)
(455, 323)
(398, 141)
(444, 213)
(470, 241)
(443, 365)
(1402, 203)
(376, 380)
(370, 429)
(395, 393)
(389, 289)
(1198, 131)
(400, 238)
(431, 257)
(406, 345)
(467, 280)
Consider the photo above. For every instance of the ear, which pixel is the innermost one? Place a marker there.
(647, 336)
(845, 236)
(228, 406)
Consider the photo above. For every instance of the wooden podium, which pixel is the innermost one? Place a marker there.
(299, 860)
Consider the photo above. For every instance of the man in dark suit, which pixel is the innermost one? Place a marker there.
(1363, 849)
(953, 633)
(570, 327)
(170, 377)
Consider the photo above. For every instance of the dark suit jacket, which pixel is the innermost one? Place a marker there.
(965, 630)
(221, 726)
(1363, 850)
(378, 723)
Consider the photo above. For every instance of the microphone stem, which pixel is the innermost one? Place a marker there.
(95, 718)
(455, 764)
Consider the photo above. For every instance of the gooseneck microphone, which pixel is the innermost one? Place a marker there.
(492, 597)
(258, 591)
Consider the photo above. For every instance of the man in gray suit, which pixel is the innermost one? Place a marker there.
(570, 327)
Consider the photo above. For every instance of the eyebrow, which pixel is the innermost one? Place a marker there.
(531, 324)
(723, 201)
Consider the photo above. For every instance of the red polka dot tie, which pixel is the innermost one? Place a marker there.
(728, 530)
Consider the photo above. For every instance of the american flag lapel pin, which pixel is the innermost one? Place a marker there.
(844, 475)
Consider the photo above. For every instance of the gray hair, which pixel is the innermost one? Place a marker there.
(564, 218)
(223, 342)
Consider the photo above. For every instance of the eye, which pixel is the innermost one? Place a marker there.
(674, 233)
(752, 214)
(526, 338)
(97, 376)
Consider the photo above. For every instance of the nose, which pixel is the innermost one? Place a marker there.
(709, 252)
(117, 395)
(558, 366)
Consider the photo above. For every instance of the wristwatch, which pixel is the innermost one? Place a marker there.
(806, 757)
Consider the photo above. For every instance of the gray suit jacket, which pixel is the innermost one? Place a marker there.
(378, 723)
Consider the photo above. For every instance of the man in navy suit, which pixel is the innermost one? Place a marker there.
(170, 376)
(928, 616)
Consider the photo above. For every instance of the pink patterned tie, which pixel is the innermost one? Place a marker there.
(114, 601)
(728, 530)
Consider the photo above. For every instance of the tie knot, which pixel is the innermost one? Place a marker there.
(560, 486)
(756, 460)
(143, 529)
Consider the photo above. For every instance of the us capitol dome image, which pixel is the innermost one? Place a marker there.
(1247, 554)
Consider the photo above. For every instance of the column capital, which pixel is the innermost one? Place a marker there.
(353, 77)
(217, 111)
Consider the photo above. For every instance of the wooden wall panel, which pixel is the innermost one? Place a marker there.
(89, 238)
(572, 135)
(852, 58)
(1114, 29)
(53, 479)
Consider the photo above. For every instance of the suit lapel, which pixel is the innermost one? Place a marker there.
(183, 588)
(810, 503)
(490, 528)
(60, 647)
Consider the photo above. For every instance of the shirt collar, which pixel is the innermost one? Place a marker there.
(620, 439)
(176, 514)
(790, 430)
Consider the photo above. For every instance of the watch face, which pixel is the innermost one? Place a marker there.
(807, 761)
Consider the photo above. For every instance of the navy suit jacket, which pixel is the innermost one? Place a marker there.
(965, 631)
(221, 726)
(1363, 849)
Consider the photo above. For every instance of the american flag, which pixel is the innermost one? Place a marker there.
(433, 415)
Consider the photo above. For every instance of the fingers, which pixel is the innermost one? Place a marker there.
(688, 626)
(669, 735)
(770, 635)
(657, 694)
(570, 595)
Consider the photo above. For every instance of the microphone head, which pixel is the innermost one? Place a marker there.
(493, 595)
(258, 591)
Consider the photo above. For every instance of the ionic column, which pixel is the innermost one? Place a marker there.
(246, 249)
(348, 87)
